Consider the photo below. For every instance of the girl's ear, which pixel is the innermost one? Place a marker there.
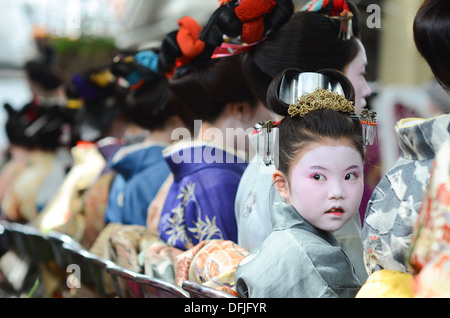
(281, 184)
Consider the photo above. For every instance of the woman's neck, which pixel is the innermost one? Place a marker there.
(164, 135)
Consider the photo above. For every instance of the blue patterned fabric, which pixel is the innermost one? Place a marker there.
(141, 172)
(200, 203)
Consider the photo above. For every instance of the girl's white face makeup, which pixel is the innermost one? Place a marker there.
(355, 72)
(326, 184)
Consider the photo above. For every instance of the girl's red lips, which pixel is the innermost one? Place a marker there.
(336, 211)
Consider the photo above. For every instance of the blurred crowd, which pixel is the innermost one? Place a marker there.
(111, 156)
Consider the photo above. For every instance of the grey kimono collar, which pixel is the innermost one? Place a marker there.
(419, 139)
(284, 216)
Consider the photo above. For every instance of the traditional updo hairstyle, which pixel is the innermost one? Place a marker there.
(39, 127)
(308, 41)
(149, 101)
(101, 101)
(432, 37)
(295, 132)
(40, 74)
(203, 86)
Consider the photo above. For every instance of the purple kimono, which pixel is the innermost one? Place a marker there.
(200, 203)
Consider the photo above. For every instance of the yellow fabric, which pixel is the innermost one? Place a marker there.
(387, 284)
(61, 213)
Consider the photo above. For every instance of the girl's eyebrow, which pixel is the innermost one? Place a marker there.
(317, 168)
(323, 168)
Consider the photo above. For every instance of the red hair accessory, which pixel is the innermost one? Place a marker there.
(188, 39)
(228, 49)
(251, 14)
(339, 6)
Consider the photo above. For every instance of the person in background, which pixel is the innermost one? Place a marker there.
(140, 166)
(206, 170)
(99, 127)
(40, 130)
(409, 256)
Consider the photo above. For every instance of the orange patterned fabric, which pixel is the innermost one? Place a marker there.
(433, 280)
(212, 263)
(184, 261)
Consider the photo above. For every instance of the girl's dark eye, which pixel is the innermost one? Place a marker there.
(318, 177)
(351, 176)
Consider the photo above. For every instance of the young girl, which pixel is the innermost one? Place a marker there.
(320, 179)
(308, 40)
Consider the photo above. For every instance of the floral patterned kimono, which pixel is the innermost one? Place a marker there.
(394, 206)
(200, 203)
(428, 255)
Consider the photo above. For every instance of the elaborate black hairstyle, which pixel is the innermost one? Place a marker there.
(309, 41)
(203, 86)
(149, 102)
(100, 101)
(39, 127)
(42, 75)
(295, 131)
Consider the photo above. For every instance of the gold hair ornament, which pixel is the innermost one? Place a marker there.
(74, 103)
(319, 99)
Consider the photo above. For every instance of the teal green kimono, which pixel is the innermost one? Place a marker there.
(296, 260)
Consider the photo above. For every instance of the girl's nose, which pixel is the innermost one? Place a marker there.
(336, 191)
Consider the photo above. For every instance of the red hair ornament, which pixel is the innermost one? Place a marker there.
(251, 14)
(188, 39)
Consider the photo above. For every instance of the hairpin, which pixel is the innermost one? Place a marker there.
(346, 28)
(369, 123)
(265, 130)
